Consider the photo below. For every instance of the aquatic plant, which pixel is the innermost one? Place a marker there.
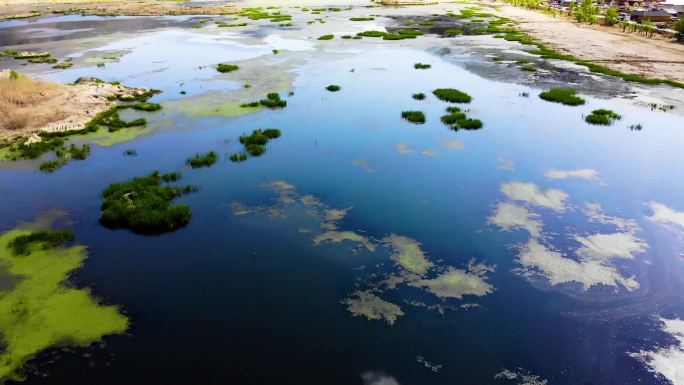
(333, 88)
(64, 65)
(273, 101)
(36, 149)
(130, 152)
(421, 66)
(43, 310)
(452, 95)
(149, 107)
(635, 127)
(361, 18)
(326, 37)
(44, 239)
(52, 165)
(238, 157)
(602, 117)
(227, 25)
(255, 142)
(453, 32)
(418, 96)
(141, 97)
(79, 153)
(223, 67)
(143, 205)
(457, 120)
(565, 96)
(528, 68)
(202, 160)
(250, 105)
(417, 117)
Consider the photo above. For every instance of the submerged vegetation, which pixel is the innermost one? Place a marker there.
(602, 117)
(417, 117)
(143, 204)
(452, 95)
(202, 160)
(567, 96)
(42, 310)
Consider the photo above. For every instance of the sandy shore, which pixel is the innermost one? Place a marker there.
(627, 52)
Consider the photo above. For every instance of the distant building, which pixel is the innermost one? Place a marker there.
(652, 16)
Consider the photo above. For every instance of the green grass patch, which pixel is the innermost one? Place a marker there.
(145, 106)
(421, 66)
(458, 120)
(417, 117)
(224, 67)
(273, 100)
(418, 96)
(602, 117)
(238, 157)
(452, 95)
(528, 68)
(44, 239)
(52, 165)
(143, 205)
(255, 143)
(567, 96)
(361, 18)
(333, 88)
(326, 37)
(202, 160)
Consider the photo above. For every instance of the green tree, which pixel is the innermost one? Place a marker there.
(679, 27)
(611, 16)
(585, 12)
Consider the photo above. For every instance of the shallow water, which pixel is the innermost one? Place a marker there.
(249, 299)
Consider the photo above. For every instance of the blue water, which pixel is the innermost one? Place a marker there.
(249, 300)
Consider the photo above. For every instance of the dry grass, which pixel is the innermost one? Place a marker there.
(22, 105)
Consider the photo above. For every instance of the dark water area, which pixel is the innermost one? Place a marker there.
(249, 299)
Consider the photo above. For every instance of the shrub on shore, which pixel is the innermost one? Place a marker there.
(143, 205)
(561, 95)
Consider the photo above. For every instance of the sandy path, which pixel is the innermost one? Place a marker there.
(627, 52)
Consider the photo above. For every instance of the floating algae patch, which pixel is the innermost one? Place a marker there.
(107, 138)
(263, 78)
(369, 305)
(456, 283)
(408, 254)
(41, 310)
(340, 236)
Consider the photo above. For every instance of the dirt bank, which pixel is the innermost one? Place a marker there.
(627, 52)
(30, 106)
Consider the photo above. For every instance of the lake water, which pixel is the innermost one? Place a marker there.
(243, 295)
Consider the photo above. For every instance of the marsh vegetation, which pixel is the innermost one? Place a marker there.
(143, 204)
(417, 117)
(452, 95)
(333, 88)
(255, 143)
(458, 120)
(567, 96)
(224, 67)
(202, 160)
(602, 117)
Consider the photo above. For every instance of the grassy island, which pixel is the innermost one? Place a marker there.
(143, 204)
(452, 95)
(602, 117)
(567, 96)
(417, 117)
(202, 160)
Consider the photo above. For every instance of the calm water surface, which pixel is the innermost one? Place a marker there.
(248, 299)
